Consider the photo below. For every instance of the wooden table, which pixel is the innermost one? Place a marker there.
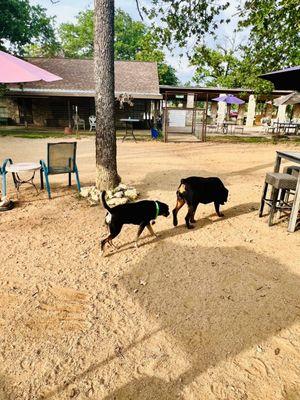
(293, 156)
(129, 123)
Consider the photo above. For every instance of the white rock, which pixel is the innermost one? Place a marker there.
(118, 195)
(85, 191)
(116, 202)
(132, 194)
(95, 197)
(122, 186)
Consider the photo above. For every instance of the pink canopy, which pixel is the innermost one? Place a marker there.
(15, 70)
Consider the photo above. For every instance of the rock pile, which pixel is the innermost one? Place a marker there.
(120, 195)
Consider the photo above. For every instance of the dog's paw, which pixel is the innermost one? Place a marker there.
(191, 227)
(221, 215)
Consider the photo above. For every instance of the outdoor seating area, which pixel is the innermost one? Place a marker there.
(240, 246)
(61, 159)
(149, 200)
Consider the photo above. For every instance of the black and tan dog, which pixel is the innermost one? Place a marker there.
(195, 190)
(140, 213)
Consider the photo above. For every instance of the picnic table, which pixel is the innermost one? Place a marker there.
(227, 125)
(293, 156)
(129, 126)
(286, 127)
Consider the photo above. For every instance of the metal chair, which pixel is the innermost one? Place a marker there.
(92, 122)
(61, 159)
(3, 173)
(279, 182)
(78, 122)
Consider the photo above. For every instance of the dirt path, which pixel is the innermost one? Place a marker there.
(212, 313)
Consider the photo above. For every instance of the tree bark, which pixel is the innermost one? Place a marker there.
(106, 148)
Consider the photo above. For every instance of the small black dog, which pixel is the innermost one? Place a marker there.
(195, 190)
(139, 213)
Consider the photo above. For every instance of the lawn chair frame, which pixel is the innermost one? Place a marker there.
(47, 170)
(3, 173)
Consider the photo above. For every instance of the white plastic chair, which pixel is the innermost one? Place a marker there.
(92, 122)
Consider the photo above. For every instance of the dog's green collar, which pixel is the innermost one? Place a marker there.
(157, 209)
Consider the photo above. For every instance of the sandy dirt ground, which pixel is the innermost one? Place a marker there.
(209, 313)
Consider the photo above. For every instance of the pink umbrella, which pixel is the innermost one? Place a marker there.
(14, 70)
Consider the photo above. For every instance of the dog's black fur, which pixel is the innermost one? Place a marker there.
(195, 190)
(139, 213)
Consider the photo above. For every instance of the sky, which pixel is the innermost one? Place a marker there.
(66, 10)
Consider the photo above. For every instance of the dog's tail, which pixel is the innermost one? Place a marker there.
(105, 205)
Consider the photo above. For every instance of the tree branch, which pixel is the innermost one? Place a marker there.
(139, 10)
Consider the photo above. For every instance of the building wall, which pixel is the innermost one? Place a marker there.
(41, 112)
(9, 107)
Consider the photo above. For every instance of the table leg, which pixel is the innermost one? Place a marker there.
(295, 209)
(133, 133)
(124, 137)
(277, 163)
(19, 182)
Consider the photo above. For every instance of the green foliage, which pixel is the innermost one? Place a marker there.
(129, 36)
(183, 19)
(133, 41)
(3, 89)
(215, 67)
(150, 51)
(274, 40)
(22, 24)
(227, 68)
(77, 39)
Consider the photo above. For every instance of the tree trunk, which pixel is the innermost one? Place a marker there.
(106, 149)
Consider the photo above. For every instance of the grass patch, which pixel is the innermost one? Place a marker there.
(250, 139)
(45, 134)
(38, 134)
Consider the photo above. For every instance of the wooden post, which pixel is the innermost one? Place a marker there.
(69, 113)
(165, 118)
(206, 109)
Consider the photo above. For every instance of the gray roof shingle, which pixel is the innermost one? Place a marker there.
(138, 78)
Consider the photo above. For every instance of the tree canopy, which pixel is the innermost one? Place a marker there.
(133, 41)
(273, 43)
(22, 23)
(274, 40)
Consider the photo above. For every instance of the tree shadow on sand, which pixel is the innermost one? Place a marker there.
(225, 301)
(170, 179)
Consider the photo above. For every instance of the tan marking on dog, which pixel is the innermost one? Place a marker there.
(181, 188)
